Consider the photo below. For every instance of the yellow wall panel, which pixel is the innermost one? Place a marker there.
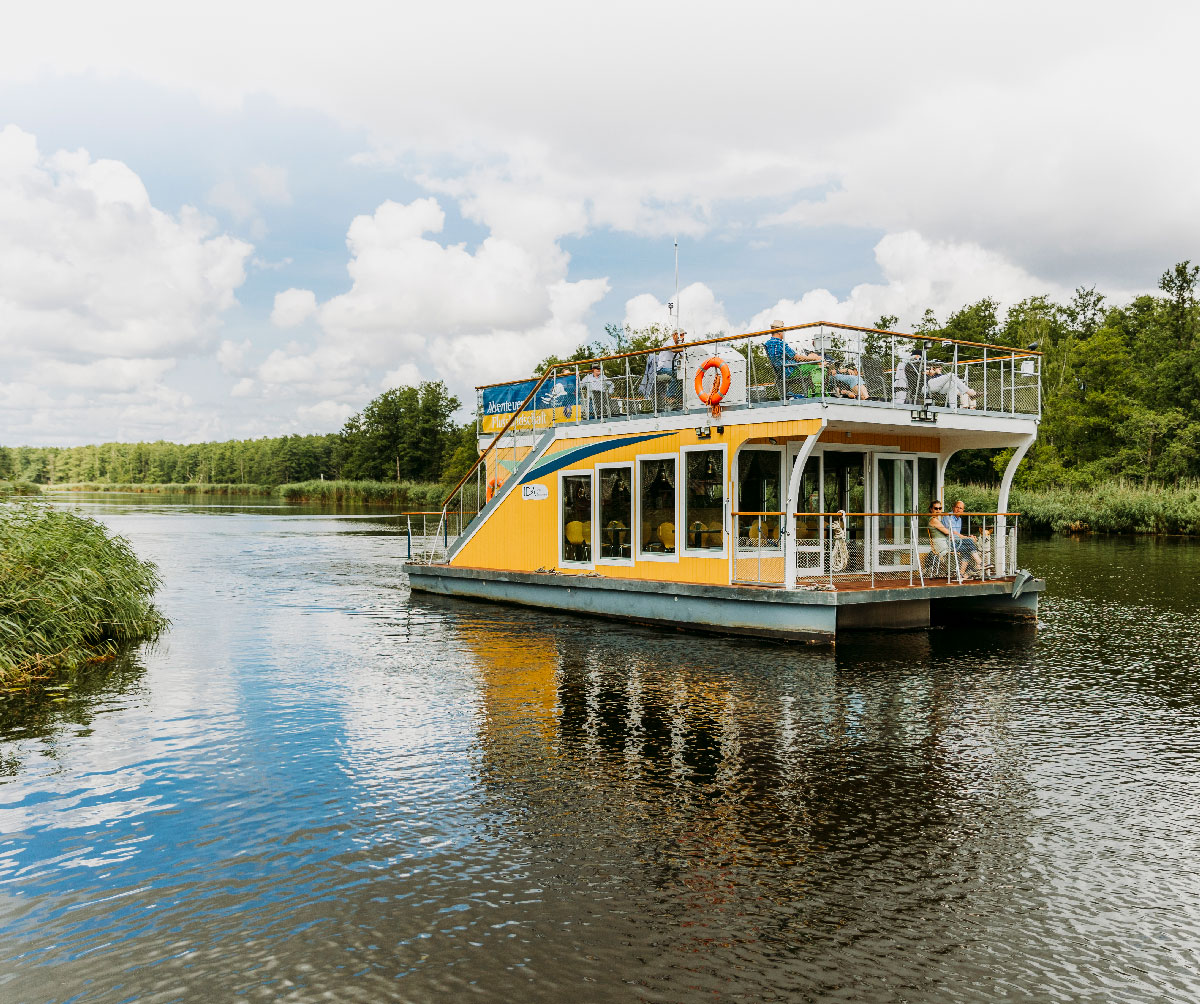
(523, 534)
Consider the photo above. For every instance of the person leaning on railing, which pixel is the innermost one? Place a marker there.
(595, 391)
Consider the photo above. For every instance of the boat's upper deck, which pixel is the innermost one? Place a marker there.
(903, 379)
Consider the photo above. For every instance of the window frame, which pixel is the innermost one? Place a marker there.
(562, 526)
(780, 453)
(641, 555)
(631, 465)
(705, 552)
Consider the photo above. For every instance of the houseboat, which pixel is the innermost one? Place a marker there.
(779, 483)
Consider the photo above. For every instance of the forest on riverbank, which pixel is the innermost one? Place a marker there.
(1121, 404)
(405, 434)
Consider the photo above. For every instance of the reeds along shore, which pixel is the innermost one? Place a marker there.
(1109, 507)
(70, 593)
(406, 495)
(171, 488)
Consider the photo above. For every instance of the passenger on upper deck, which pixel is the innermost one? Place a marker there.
(847, 381)
(949, 384)
(595, 390)
(659, 381)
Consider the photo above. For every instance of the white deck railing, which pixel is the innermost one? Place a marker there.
(798, 365)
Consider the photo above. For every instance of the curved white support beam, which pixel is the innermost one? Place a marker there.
(793, 495)
(1002, 503)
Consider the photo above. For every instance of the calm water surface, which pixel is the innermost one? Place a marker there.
(317, 787)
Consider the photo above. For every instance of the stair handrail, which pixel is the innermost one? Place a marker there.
(499, 435)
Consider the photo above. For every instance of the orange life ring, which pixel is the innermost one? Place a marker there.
(719, 389)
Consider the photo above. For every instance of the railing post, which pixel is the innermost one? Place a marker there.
(628, 391)
(829, 561)
(985, 380)
(868, 536)
(957, 377)
(408, 519)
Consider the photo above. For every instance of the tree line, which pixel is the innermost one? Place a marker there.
(1120, 382)
(405, 434)
(1120, 391)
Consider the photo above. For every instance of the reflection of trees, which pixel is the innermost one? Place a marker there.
(757, 794)
(70, 701)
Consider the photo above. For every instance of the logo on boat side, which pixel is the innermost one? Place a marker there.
(534, 493)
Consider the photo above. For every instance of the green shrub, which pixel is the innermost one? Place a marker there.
(412, 496)
(1106, 507)
(70, 593)
(171, 488)
(9, 488)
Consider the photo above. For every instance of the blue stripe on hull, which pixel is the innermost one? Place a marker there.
(567, 457)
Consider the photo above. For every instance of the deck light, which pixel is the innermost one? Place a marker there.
(924, 415)
(704, 432)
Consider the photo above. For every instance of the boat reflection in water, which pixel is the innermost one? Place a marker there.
(778, 816)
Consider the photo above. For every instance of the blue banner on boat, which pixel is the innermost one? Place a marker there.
(555, 402)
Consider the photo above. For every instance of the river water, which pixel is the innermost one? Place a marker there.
(316, 787)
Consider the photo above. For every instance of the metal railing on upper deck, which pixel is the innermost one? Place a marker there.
(824, 361)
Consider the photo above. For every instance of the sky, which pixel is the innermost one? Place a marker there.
(232, 220)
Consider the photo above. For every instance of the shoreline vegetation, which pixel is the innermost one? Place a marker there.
(71, 595)
(1118, 506)
(1109, 507)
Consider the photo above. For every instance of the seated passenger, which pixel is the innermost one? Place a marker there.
(787, 362)
(946, 535)
(949, 384)
(848, 383)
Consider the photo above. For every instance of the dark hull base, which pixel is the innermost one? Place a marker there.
(792, 615)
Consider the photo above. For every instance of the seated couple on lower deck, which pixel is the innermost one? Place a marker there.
(946, 536)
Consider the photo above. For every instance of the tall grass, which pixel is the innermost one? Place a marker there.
(9, 488)
(70, 593)
(409, 495)
(1110, 507)
(169, 488)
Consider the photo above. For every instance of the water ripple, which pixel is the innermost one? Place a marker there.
(318, 787)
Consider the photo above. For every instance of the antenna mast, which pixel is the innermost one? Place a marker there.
(678, 311)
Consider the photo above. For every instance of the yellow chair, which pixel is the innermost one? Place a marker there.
(574, 534)
(666, 533)
(754, 533)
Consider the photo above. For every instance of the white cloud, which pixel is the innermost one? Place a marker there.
(404, 375)
(107, 376)
(293, 307)
(231, 357)
(699, 312)
(954, 122)
(325, 415)
(243, 388)
(101, 292)
(244, 196)
(467, 315)
(89, 266)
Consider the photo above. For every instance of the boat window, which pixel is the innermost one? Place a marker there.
(657, 530)
(926, 483)
(760, 492)
(577, 518)
(616, 511)
(808, 526)
(704, 499)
